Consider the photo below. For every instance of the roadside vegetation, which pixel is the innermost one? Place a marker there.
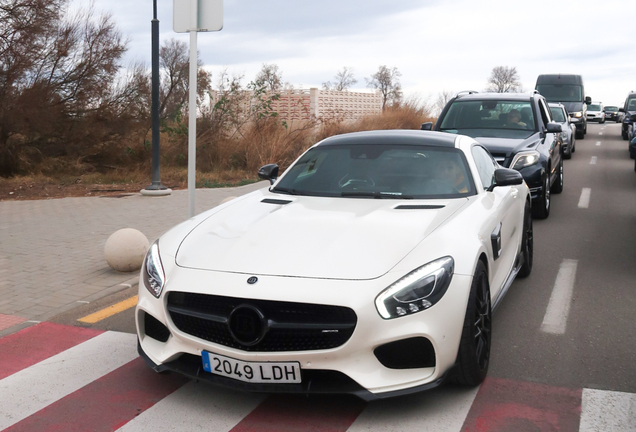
(73, 114)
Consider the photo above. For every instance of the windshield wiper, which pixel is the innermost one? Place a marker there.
(286, 191)
(377, 195)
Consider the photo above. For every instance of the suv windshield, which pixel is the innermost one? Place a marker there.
(594, 107)
(557, 114)
(631, 105)
(561, 92)
(495, 118)
(610, 109)
(379, 171)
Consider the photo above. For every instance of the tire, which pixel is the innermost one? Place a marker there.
(579, 134)
(541, 207)
(473, 357)
(634, 165)
(573, 143)
(527, 243)
(557, 187)
(568, 154)
(625, 136)
(602, 121)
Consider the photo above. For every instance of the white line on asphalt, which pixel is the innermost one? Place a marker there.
(584, 201)
(600, 133)
(189, 408)
(593, 161)
(598, 143)
(442, 411)
(607, 411)
(28, 391)
(556, 316)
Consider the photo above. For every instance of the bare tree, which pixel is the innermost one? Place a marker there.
(442, 99)
(504, 79)
(344, 79)
(174, 62)
(387, 81)
(270, 77)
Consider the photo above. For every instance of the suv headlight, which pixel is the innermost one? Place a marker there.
(524, 159)
(153, 274)
(417, 291)
(578, 114)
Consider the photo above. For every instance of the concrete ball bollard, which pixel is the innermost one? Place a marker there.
(125, 249)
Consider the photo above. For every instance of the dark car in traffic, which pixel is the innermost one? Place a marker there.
(519, 132)
(611, 113)
(629, 109)
(569, 90)
(560, 115)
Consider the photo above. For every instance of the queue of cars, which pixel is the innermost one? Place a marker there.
(372, 265)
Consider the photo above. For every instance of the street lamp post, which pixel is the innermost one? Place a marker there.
(156, 188)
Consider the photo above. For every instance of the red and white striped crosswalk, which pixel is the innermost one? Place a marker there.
(62, 378)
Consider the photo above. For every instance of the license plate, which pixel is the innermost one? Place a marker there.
(254, 372)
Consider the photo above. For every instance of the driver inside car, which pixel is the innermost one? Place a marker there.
(513, 119)
(451, 173)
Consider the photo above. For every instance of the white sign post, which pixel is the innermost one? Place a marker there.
(192, 16)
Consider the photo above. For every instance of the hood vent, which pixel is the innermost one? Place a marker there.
(418, 207)
(275, 201)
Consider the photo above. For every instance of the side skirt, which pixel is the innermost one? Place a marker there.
(509, 281)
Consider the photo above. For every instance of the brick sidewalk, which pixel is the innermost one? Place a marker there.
(52, 251)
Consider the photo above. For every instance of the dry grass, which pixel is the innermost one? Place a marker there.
(221, 160)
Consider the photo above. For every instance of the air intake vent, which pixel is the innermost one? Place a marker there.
(412, 353)
(155, 329)
(275, 201)
(418, 207)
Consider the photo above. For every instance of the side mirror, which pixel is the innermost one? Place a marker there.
(427, 126)
(588, 100)
(554, 127)
(621, 110)
(506, 177)
(268, 172)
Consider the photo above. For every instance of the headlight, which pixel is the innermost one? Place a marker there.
(524, 159)
(578, 114)
(416, 291)
(153, 274)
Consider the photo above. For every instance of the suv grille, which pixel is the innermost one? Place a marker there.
(286, 326)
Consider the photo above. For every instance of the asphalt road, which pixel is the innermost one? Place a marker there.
(589, 248)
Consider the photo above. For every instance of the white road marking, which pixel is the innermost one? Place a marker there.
(607, 411)
(584, 201)
(593, 161)
(598, 143)
(600, 133)
(556, 315)
(443, 409)
(189, 408)
(28, 391)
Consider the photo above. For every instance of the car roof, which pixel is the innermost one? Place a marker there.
(497, 96)
(397, 136)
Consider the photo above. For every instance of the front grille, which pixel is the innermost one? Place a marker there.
(500, 158)
(290, 326)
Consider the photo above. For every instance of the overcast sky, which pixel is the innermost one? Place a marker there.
(437, 45)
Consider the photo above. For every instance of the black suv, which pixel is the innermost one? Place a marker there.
(629, 109)
(518, 131)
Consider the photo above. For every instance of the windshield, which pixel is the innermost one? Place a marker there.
(504, 119)
(379, 171)
(631, 105)
(594, 107)
(561, 92)
(557, 114)
(611, 109)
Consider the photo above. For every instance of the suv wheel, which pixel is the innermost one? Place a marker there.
(527, 243)
(541, 207)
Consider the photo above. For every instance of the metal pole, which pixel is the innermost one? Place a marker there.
(156, 188)
(192, 111)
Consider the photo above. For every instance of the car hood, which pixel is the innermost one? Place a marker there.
(507, 146)
(314, 237)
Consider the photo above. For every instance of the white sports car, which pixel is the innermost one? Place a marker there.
(371, 266)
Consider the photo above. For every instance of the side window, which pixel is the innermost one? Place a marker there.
(486, 166)
(545, 113)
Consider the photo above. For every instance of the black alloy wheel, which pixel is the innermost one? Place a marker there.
(557, 187)
(474, 348)
(541, 207)
(527, 243)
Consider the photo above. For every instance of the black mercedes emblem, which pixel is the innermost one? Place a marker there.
(252, 280)
(247, 325)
